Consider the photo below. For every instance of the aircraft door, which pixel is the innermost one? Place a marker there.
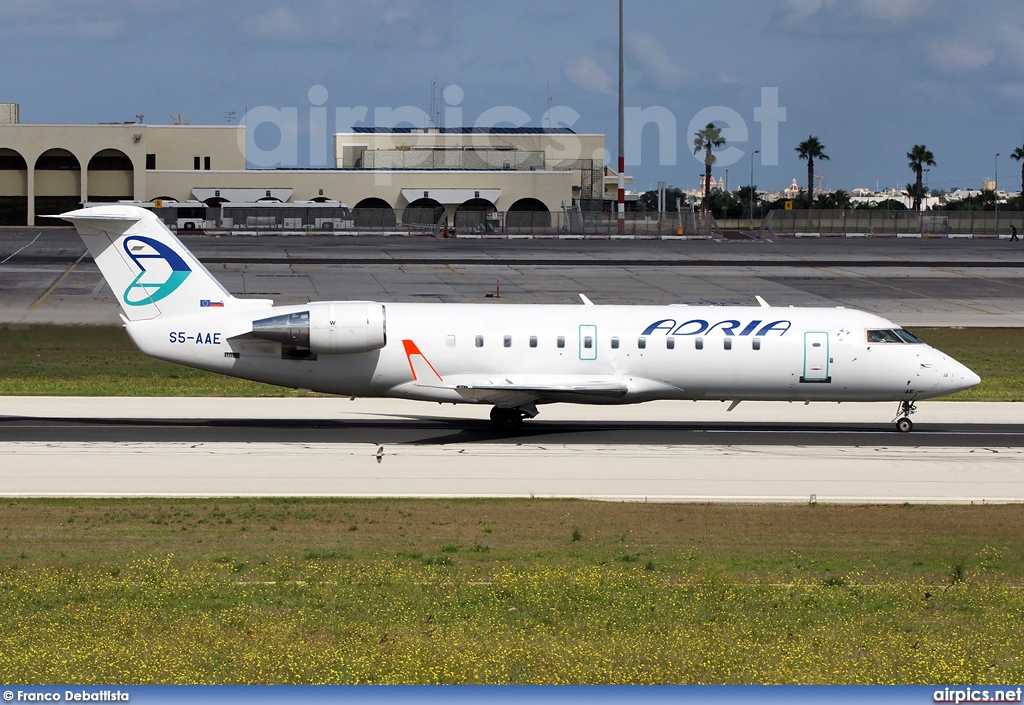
(816, 358)
(588, 342)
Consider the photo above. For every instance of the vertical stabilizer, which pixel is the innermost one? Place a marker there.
(149, 270)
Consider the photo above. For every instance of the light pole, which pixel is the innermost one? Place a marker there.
(751, 194)
(995, 194)
(622, 129)
(725, 207)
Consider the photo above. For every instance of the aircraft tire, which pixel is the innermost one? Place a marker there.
(904, 425)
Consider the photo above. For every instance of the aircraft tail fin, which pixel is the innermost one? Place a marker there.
(150, 272)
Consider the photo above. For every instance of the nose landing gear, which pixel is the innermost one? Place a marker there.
(903, 422)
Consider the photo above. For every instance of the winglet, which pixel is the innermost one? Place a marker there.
(586, 301)
(423, 372)
(764, 304)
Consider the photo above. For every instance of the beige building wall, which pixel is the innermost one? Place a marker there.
(556, 147)
(175, 146)
(13, 183)
(110, 183)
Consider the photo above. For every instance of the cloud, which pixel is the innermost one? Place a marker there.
(891, 10)
(87, 20)
(655, 61)
(63, 18)
(850, 16)
(387, 22)
(959, 56)
(585, 72)
(1011, 39)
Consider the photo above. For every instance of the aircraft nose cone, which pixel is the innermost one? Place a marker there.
(963, 378)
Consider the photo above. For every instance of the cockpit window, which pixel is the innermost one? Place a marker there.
(883, 336)
(893, 336)
(909, 337)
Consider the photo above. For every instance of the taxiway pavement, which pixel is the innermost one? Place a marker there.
(44, 277)
(663, 451)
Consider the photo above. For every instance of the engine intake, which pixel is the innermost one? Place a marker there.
(328, 328)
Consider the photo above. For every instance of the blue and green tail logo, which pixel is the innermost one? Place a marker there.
(143, 251)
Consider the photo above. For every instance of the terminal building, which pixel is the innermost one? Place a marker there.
(390, 178)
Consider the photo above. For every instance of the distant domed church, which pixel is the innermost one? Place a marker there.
(720, 184)
(792, 192)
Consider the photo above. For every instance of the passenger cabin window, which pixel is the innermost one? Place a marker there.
(699, 343)
(533, 341)
(479, 341)
(561, 341)
(728, 343)
(450, 341)
(588, 342)
(670, 343)
(641, 343)
(615, 343)
(757, 343)
(508, 341)
(898, 336)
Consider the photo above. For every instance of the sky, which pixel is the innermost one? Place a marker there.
(868, 78)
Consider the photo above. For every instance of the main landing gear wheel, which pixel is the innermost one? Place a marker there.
(506, 419)
(904, 424)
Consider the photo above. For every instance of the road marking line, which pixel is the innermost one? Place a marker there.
(455, 271)
(57, 283)
(23, 248)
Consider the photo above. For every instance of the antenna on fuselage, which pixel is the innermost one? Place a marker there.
(764, 304)
(586, 301)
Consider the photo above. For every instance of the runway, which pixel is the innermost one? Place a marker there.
(664, 451)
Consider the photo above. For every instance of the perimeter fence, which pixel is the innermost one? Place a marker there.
(433, 222)
(881, 223)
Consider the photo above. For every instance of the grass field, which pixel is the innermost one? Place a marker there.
(101, 361)
(518, 591)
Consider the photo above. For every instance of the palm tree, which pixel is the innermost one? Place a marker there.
(706, 139)
(1018, 154)
(919, 158)
(811, 149)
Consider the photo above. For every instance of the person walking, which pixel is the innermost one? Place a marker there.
(1013, 233)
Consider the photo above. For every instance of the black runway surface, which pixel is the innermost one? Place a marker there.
(425, 430)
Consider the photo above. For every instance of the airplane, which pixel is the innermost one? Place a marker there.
(514, 358)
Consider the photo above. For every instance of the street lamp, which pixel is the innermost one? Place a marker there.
(725, 201)
(751, 194)
(995, 194)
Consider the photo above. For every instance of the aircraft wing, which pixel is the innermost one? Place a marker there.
(509, 393)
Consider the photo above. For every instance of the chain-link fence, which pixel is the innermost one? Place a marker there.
(434, 221)
(889, 223)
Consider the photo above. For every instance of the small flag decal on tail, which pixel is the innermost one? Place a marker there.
(206, 303)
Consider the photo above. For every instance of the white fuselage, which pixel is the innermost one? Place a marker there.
(651, 352)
